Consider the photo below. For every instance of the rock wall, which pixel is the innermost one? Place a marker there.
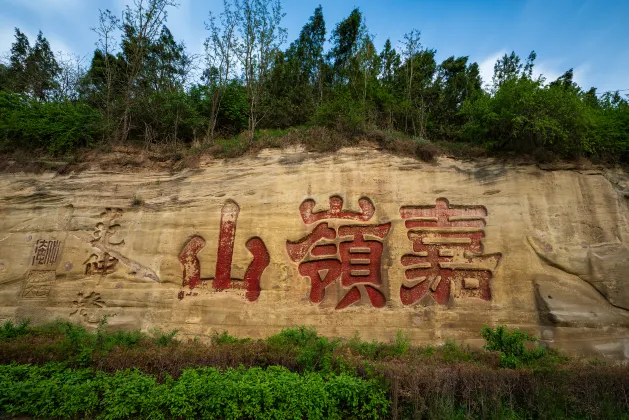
(355, 241)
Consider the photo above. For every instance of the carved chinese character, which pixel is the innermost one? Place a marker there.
(103, 231)
(85, 306)
(106, 250)
(103, 264)
(350, 253)
(447, 256)
(45, 252)
(223, 279)
(38, 284)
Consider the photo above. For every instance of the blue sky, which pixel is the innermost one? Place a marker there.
(591, 36)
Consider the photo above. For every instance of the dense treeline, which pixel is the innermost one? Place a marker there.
(141, 83)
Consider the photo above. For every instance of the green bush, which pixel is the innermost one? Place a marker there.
(59, 127)
(342, 113)
(313, 352)
(524, 115)
(273, 393)
(512, 346)
(10, 330)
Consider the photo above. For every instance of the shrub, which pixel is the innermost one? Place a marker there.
(10, 330)
(512, 346)
(59, 127)
(342, 113)
(427, 151)
(54, 390)
(312, 352)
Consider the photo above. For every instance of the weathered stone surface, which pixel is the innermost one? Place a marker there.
(354, 241)
(604, 266)
(574, 303)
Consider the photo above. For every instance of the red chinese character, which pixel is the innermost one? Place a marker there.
(328, 254)
(223, 280)
(448, 253)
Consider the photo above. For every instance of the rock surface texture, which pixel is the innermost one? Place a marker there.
(355, 241)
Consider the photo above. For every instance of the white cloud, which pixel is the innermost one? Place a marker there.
(581, 75)
(549, 69)
(486, 67)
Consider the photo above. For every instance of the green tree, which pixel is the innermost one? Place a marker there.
(295, 83)
(41, 69)
(220, 50)
(16, 73)
(457, 82)
(510, 67)
(141, 26)
(4, 77)
(346, 42)
(390, 62)
(260, 38)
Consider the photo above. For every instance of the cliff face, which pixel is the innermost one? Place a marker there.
(356, 241)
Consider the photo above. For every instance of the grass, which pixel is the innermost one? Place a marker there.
(506, 379)
(176, 157)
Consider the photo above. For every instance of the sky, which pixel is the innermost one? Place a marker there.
(590, 36)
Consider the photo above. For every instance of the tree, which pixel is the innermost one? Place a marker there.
(41, 68)
(16, 73)
(389, 64)
(4, 77)
(220, 49)
(308, 51)
(141, 27)
(411, 47)
(167, 64)
(105, 61)
(346, 40)
(565, 81)
(457, 82)
(260, 38)
(390, 61)
(510, 67)
(68, 81)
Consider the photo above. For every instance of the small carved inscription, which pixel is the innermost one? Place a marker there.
(45, 252)
(105, 231)
(101, 265)
(86, 304)
(38, 284)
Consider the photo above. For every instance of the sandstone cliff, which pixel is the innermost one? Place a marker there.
(355, 241)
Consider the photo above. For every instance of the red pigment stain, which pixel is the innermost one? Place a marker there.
(350, 298)
(322, 273)
(190, 262)
(377, 298)
(442, 211)
(298, 250)
(254, 272)
(419, 237)
(324, 250)
(227, 235)
(336, 210)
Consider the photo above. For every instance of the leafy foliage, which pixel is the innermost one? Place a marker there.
(141, 85)
(58, 127)
(296, 374)
(512, 346)
(312, 351)
(54, 390)
(10, 330)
